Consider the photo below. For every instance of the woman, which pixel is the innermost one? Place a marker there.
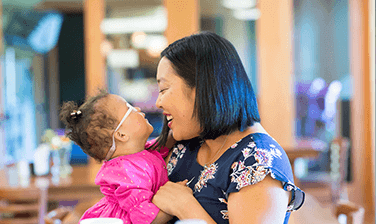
(237, 173)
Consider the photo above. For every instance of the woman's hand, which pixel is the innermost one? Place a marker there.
(173, 198)
(177, 199)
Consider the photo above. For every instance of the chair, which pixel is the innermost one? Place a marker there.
(22, 206)
(57, 215)
(339, 148)
(354, 213)
(330, 186)
(69, 215)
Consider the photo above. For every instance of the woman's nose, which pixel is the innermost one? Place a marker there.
(158, 103)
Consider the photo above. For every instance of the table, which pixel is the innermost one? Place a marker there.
(79, 186)
(304, 148)
(312, 212)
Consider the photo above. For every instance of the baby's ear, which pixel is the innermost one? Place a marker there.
(121, 136)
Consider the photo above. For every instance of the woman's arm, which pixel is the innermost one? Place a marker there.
(177, 199)
(264, 202)
(162, 217)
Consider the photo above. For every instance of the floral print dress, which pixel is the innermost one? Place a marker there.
(246, 162)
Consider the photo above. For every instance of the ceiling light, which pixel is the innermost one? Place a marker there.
(138, 38)
(124, 58)
(156, 22)
(239, 4)
(150, 40)
(247, 14)
(156, 44)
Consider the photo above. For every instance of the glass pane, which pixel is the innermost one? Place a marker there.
(28, 36)
(19, 107)
(322, 77)
(133, 54)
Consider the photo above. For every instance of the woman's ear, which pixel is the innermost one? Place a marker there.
(121, 136)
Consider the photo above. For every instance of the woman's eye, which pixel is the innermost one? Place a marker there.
(162, 90)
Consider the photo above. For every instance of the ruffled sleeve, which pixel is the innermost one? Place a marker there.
(137, 200)
(127, 182)
(254, 163)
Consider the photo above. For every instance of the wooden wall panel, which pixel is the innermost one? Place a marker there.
(182, 18)
(275, 62)
(94, 11)
(95, 73)
(362, 59)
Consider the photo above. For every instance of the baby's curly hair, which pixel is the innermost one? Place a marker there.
(90, 125)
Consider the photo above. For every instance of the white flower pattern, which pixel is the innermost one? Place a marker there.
(244, 175)
(177, 153)
(224, 212)
(252, 167)
(206, 174)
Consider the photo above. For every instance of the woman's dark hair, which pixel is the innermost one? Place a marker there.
(225, 101)
(90, 125)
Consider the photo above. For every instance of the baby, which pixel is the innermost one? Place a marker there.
(109, 129)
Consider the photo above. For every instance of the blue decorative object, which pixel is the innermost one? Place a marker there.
(78, 156)
(31, 30)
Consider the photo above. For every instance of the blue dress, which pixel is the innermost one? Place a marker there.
(246, 162)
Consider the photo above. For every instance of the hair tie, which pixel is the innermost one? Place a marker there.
(75, 114)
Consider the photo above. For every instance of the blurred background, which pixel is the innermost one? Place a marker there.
(311, 64)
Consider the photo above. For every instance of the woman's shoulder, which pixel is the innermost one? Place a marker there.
(259, 155)
(257, 142)
(260, 151)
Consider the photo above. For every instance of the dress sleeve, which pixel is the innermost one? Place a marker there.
(132, 188)
(136, 199)
(254, 164)
(250, 168)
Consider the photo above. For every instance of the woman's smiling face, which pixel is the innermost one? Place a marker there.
(177, 100)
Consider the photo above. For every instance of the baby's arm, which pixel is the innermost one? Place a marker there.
(134, 194)
(136, 200)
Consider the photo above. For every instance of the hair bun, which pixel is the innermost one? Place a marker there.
(75, 114)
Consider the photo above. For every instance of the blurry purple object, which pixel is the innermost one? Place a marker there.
(315, 104)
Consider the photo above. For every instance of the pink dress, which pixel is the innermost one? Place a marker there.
(128, 184)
